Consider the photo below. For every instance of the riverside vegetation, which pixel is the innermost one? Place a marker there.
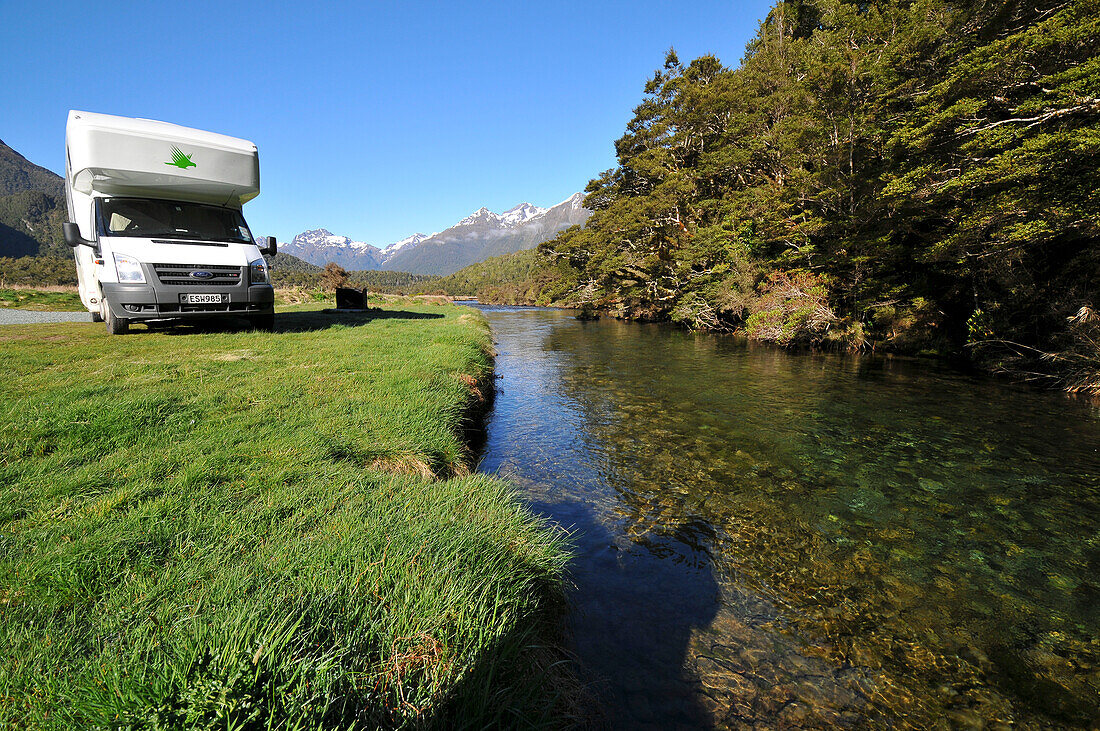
(918, 176)
(251, 530)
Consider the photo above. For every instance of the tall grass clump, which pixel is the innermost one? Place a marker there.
(241, 530)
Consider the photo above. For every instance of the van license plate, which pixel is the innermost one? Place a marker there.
(202, 299)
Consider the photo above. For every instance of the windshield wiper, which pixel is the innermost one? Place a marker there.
(196, 237)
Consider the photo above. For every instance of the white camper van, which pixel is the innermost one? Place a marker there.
(155, 222)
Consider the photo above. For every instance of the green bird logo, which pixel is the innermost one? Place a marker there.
(180, 160)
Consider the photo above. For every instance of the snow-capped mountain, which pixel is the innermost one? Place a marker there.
(484, 233)
(475, 238)
(320, 246)
(522, 212)
(410, 241)
(512, 217)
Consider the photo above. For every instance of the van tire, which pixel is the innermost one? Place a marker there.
(115, 325)
(97, 317)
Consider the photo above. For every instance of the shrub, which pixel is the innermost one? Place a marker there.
(790, 307)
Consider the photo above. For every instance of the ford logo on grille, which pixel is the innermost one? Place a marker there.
(202, 274)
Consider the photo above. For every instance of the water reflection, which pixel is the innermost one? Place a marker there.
(807, 539)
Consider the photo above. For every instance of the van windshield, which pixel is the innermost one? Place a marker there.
(150, 218)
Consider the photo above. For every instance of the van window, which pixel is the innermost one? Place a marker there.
(149, 218)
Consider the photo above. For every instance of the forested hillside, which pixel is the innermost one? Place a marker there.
(920, 176)
(17, 173)
(36, 271)
(513, 279)
(32, 208)
(290, 271)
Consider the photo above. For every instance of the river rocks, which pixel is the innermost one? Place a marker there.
(976, 657)
(966, 719)
(587, 312)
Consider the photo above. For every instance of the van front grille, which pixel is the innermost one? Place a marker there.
(183, 274)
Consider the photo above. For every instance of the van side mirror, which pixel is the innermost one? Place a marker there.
(72, 235)
(269, 246)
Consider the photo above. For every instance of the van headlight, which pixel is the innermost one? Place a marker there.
(129, 269)
(257, 271)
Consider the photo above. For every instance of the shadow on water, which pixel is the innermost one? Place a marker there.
(637, 599)
(635, 604)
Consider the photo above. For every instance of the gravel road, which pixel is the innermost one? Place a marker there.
(30, 317)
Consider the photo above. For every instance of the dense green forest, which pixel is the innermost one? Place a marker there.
(917, 176)
(511, 279)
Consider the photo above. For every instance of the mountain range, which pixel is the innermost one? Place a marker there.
(319, 246)
(477, 237)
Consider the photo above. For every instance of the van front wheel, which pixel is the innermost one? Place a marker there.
(115, 325)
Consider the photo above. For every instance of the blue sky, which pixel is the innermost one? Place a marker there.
(374, 120)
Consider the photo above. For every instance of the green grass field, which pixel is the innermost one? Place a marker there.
(242, 530)
(56, 300)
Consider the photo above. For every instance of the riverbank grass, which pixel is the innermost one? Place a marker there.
(235, 529)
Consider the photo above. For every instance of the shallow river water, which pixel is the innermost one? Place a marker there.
(805, 540)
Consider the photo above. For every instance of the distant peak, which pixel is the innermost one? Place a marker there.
(523, 212)
(322, 237)
(407, 241)
(310, 233)
(482, 214)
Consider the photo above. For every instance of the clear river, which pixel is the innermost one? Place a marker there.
(775, 539)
